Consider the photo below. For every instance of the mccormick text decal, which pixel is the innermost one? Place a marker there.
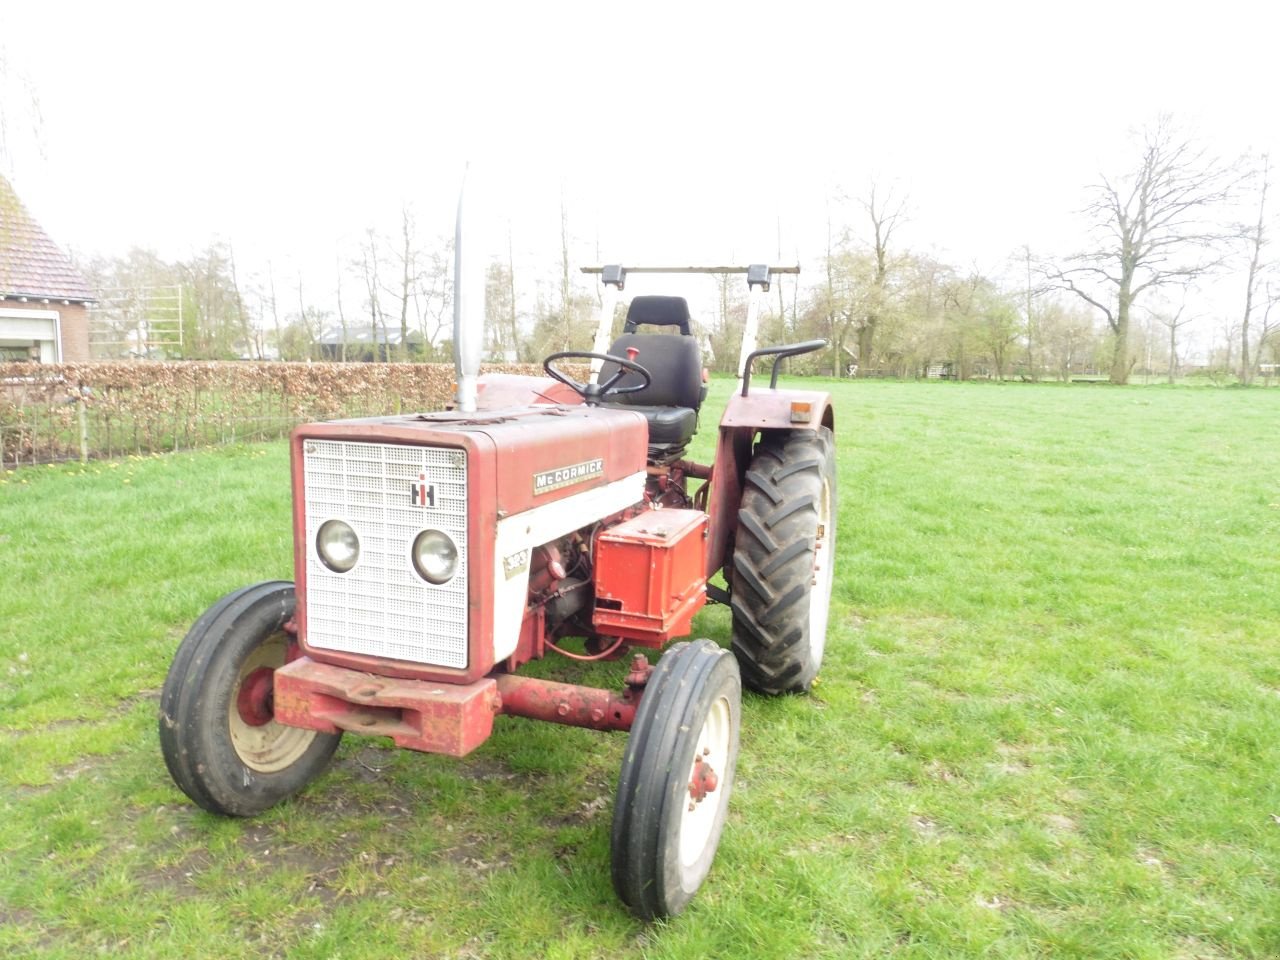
(550, 480)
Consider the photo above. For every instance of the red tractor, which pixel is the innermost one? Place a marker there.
(437, 553)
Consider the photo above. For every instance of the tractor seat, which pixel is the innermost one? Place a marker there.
(667, 425)
(671, 401)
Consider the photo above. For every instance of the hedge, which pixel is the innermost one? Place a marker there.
(52, 412)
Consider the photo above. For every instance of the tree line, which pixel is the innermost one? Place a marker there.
(1124, 303)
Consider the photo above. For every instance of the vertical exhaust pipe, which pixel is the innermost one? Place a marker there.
(468, 307)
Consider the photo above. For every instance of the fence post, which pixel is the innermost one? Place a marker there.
(82, 413)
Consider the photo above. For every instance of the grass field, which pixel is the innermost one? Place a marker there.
(1048, 726)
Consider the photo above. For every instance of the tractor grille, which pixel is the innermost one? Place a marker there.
(381, 607)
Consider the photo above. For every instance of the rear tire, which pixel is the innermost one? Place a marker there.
(783, 561)
(223, 748)
(677, 774)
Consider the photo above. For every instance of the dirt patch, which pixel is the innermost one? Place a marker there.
(585, 812)
(1013, 758)
(924, 826)
(937, 770)
(177, 879)
(1153, 858)
(474, 855)
(1060, 823)
(15, 917)
(488, 768)
(993, 902)
(1193, 948)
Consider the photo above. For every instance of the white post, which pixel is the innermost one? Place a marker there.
(604, 327)
(749, 332)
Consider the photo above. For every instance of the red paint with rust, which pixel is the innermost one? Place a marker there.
(704, 780)
(744, 418)
(505, 450)
(253, 701)
(565, 703)
(447, 718)
(765, 409)
(450, 718)
(650, 576)
(653, 580)
(497, 391)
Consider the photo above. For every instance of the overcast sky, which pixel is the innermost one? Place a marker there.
(682, 131)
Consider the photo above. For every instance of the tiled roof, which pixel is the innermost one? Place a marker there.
(31, 265)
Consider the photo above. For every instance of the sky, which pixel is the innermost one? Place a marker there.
(674, 132)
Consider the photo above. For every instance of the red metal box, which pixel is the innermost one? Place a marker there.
(650, 575)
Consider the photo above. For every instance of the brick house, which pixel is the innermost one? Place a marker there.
(44, 313)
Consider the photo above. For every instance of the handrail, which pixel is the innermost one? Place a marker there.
(781, 353)
(794, 269)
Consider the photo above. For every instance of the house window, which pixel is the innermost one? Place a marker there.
(33, 334)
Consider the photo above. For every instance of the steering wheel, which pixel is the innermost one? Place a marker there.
(594, 393)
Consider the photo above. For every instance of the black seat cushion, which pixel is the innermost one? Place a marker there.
(658, 312)
(668, 426)
(674, 363)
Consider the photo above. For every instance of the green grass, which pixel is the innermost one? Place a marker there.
(1048, 726)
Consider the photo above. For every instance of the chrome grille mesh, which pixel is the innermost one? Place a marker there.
(382, 607)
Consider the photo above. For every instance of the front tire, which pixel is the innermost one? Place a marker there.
(223, 747)
(783, 561)
(677, 774)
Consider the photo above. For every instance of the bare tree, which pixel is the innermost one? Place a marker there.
(408, 277)
(836, 340)
(885, 213)
(566, 288)
(369, 267)
(275, 311)
(1257, 239)
(309, 322)
(342, 316)
(246, 334)
(1032, 333)
(999, 326)
(1267, 335)
(1153, 227)
(433, 294)
(511, 296)
(1173, 322)
(497, 311)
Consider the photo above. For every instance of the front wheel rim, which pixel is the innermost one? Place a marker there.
(270, 746)
(823, 574)
(698, 817)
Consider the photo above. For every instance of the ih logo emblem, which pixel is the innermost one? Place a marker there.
(424, 494)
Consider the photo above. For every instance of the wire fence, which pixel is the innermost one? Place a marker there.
(51, 413)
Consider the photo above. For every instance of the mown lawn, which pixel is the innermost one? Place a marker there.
(1049, 723)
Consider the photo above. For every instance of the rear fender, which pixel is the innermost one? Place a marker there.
(744, 419)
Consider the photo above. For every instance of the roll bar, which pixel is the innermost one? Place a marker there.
(759, 279)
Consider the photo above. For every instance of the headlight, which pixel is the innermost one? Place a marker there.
(435, 556)
(338, 545)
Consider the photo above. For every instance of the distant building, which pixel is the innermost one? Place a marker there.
(43, 298)
(366, 342)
